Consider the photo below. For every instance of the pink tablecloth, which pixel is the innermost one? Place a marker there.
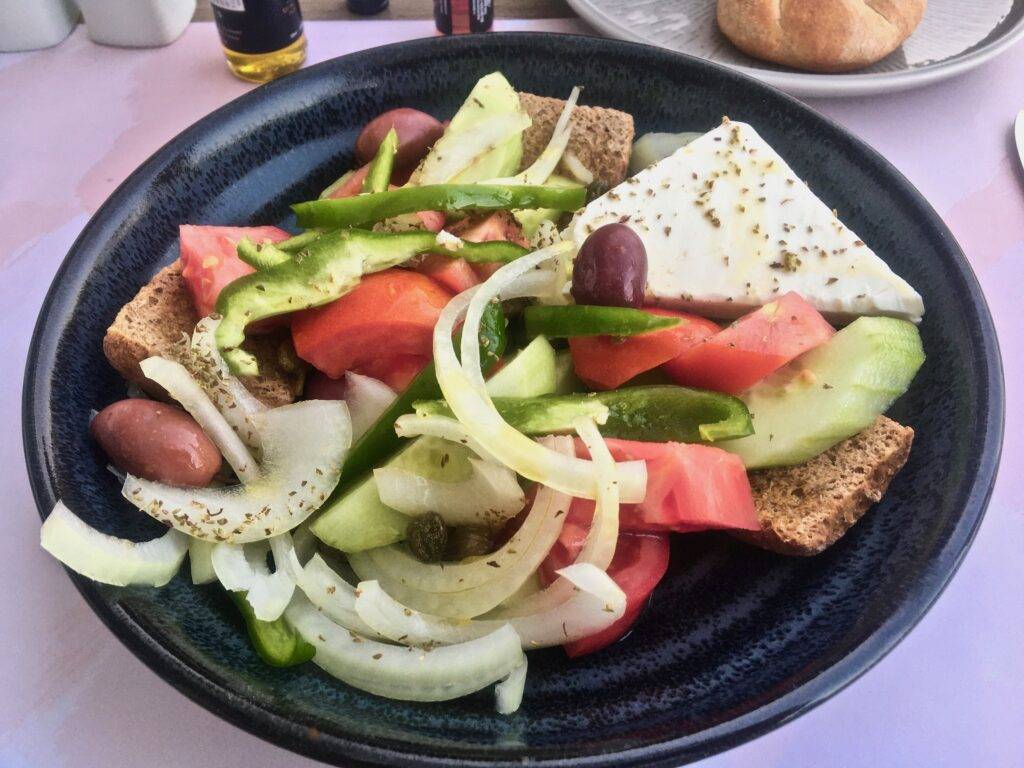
(75, 120)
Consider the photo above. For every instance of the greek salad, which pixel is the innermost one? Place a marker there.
(518, 384)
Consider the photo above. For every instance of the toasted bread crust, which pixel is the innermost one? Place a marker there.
(602, 138)
(819, 35)
(160, 315)
(804, 509)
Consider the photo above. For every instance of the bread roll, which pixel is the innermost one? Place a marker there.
(819, 35)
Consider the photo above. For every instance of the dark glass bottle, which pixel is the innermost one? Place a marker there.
(262, 39)
(366, 7)
(457, 17)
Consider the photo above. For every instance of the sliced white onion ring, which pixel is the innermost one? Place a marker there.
(508, 694)
(599, 547)
(200, 560)
(244, 569)
(465, 392)
(416, 425)
(464, 590)
(594, 604)
(367, 398)
(109, 559)
(178, 382)
(406, 673)
(304, 445)
(236, 403)
(330, 593)
(576, 168)
(490, 496)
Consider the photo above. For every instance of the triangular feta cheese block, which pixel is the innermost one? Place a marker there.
(728, 227)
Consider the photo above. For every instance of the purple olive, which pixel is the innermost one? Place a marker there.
(156, 441)
(611, 268)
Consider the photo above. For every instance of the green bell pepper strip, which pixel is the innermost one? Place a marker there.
(276, 642)
(652, 414)
(380, 440)
(329, 267)
(300, 241)
(483, 253)
(326, 269)
(586, 320)
(379, 175)
(261, 256)
(363, 210)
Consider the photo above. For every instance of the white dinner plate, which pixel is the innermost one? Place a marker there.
(955, 36)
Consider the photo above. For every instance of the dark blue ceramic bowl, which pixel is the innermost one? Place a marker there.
(737, 641)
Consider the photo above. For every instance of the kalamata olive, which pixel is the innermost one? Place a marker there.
(611, 268)
(156, 441)
(320, 386)
(427, 537)
(417, 132)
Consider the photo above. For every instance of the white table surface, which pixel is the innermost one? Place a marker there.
(75, 120)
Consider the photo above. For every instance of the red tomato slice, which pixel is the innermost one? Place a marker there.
(500, 225)
(388, 314)
(607, 362)
(753, 347)
(432, 220)
(689, 488)
(454, 274)
(209, 259)
(639, 564)
(396, 371)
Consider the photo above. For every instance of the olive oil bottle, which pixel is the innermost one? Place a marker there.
(262, 39)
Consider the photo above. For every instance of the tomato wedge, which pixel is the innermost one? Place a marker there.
(689, 488)
(500, 225)
(607, 362)
(753, 347)
(639, 563)
(209, 259)
(454, 274)
(388, 315)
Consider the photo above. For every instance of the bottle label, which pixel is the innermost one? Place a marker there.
(257, 26)
(457, 17)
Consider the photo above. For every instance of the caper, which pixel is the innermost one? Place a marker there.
(426, 537)
(469, 541)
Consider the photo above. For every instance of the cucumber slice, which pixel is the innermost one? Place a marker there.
(359, 520)
(566, 380)
(830, 393)
(530, 373)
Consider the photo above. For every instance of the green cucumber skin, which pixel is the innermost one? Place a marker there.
(830, 393)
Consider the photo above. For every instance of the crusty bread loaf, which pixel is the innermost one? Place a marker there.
(805, 509)
(157, 319)
(819, 35)
(601, 138)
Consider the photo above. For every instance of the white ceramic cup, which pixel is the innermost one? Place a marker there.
(136, 23)
(26, 25)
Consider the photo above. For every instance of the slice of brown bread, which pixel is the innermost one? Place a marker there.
(157, 319)
(805, 509)
(602, 138)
